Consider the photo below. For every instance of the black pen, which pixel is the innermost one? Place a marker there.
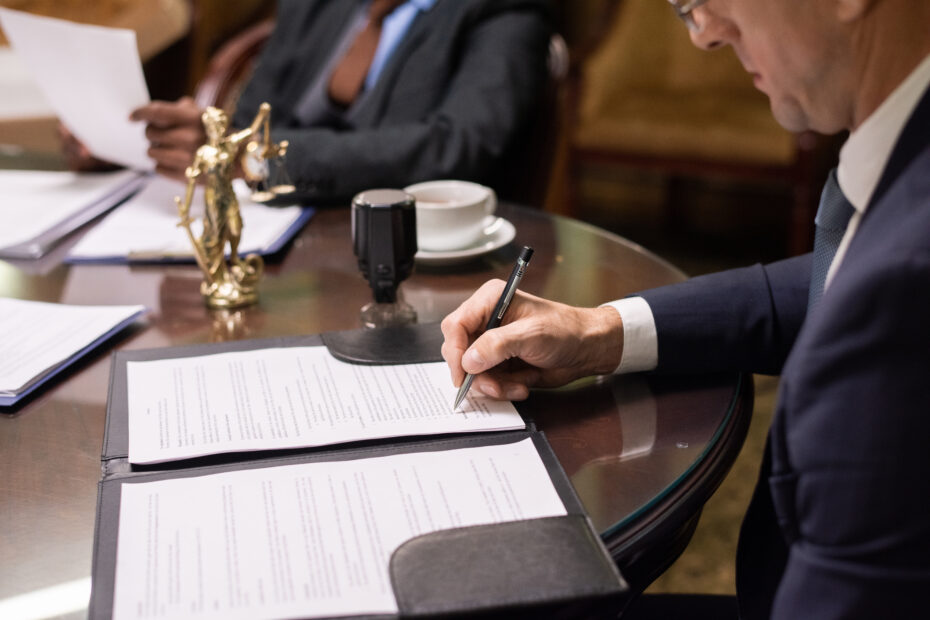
(502, 304)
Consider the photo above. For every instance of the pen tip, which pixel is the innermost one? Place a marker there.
(463, 390)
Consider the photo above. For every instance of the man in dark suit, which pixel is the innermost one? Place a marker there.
(448, 93)
(839, 526)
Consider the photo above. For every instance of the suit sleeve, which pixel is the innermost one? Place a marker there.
(854, 505)
(490, 96)
(742, 319)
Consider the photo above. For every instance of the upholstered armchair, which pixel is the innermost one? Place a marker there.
(644, 97)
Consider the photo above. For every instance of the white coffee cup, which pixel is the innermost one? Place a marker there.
(451, 214)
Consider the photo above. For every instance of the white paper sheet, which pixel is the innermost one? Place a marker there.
(36, 336)
(34, 201)
(92, 77)
(21, 96)
(308, 540)
(291, 397)
(145, 226)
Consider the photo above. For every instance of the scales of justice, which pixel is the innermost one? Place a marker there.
(231, 283)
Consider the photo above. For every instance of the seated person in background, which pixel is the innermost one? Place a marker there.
(451, 86)
(839, 526)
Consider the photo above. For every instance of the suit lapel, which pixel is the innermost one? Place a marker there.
(326, 22)
(372, 103)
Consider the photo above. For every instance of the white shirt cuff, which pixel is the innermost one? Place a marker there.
(640, 343)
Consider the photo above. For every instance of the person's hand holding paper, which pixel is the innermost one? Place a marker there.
(92, 77)
(175, 131)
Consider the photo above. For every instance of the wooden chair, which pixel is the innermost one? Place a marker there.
(642, 96)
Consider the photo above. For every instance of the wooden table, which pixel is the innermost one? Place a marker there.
(643, 452)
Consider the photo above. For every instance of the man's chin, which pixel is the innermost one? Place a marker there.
(790, 116)
(793, 117)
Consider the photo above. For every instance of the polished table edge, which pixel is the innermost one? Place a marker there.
(649, 543)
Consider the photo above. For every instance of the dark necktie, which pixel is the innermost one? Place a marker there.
(831, 221)
(349, 74)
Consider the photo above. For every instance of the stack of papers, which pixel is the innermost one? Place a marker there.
(39, 340)
(145, 228)
(40, 207)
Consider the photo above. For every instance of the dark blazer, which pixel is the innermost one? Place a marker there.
(451, 101)
(839, 526)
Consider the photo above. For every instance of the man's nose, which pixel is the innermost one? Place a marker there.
(711, 31)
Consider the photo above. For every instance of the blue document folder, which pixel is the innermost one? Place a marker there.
(12, 395)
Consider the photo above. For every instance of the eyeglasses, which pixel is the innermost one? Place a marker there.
(684, 8)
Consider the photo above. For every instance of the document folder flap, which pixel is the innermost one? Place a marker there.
(538, 567)
(390, 345)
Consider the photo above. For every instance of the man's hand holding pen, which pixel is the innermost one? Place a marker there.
(539, 343)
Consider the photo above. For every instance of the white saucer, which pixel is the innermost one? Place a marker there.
(497, 233)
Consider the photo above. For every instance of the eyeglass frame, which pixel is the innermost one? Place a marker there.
(684, 8)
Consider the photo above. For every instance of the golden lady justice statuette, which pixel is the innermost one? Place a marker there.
(234, 284)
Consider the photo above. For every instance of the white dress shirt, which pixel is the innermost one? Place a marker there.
(861, 163)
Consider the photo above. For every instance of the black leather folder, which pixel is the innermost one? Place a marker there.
(551, 567)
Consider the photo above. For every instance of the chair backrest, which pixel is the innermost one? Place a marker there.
(526, 175)
(231, 66)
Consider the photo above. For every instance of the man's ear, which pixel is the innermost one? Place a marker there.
(852, 10)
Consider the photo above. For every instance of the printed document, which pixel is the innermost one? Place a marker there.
(145, 226)
(91, 76)
(291, 397)
(38, 201)
(38, 338)
(308, 540)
